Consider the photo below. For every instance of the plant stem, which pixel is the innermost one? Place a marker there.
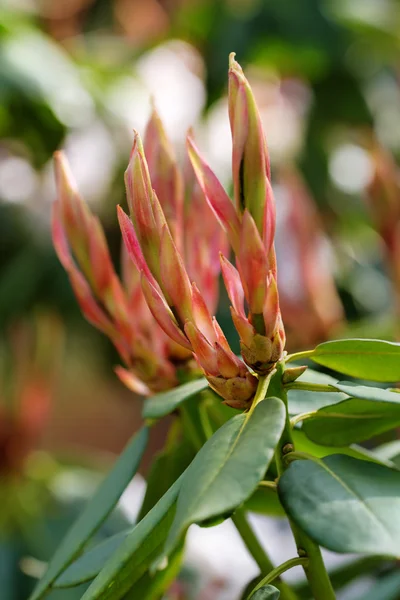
(301, 417)
(315, 570)
(239, 518)
(289, 564)
(268, 484)
(299, 355)
(257, 551)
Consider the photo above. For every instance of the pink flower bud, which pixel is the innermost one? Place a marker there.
(165, 175)
(250, 160)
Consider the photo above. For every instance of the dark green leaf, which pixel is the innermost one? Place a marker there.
(228, 468)
(345, 504)
(375, 360)
(351, 421)
(137, 552)
(304, 444)
(163, 404)
(267, 592)
(152, 587)
(167, 468)
(89, 564)
(95, 512)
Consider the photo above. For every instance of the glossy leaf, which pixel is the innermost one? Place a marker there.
(88, 565)
(375, 360)
(304, 444)
(267, 592)
(95, 512)
(163, 404)
(351, 421)
(137, 552)
(228, 468)
(345, 504)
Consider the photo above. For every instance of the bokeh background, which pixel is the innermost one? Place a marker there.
(79, 75)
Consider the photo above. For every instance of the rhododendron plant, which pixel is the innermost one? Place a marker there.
(160, 317)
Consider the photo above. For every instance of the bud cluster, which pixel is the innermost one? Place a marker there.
(178, 249)
(250, 226)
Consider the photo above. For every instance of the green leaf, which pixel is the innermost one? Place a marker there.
(345, 504)
(152, 587)
(303, 444)
(137, 551)
(228, 468)
(366, 392)
(351, 421)
(301, 401)
(88, 565)
(95, 512)
(386, 588)
(267, 592)
(163, 404)
(166, 468)
(375, 360)
(265, 501)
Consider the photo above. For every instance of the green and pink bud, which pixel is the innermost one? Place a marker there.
(105, 301)
(166, 177)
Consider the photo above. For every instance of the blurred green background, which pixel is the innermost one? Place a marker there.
(79, 75)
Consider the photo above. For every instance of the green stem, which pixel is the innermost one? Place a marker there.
(257, 551)
(301, 417)
(289, 564)
(315, 570)
(298, 355)
(268, 484)
(239, 518)
(310, 387)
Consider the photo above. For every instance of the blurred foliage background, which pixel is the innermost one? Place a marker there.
(79, 75)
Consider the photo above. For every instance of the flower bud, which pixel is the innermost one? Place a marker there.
(250, 160)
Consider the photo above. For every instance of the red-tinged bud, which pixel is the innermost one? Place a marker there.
(204, 351)
(250, 160)
(237, 392)
(165, 175)
(244, 328)
(59, 237)
(227, 362)
(162, 313)
(215, 194)
(221, 339)
(74, 212)
(132, 382)
(174, 280)
(233, 286)
(253, 268)
(132, 244)
(99, 256)
(89, 306)
(201, 315)
(271, 307)
(140, 201)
